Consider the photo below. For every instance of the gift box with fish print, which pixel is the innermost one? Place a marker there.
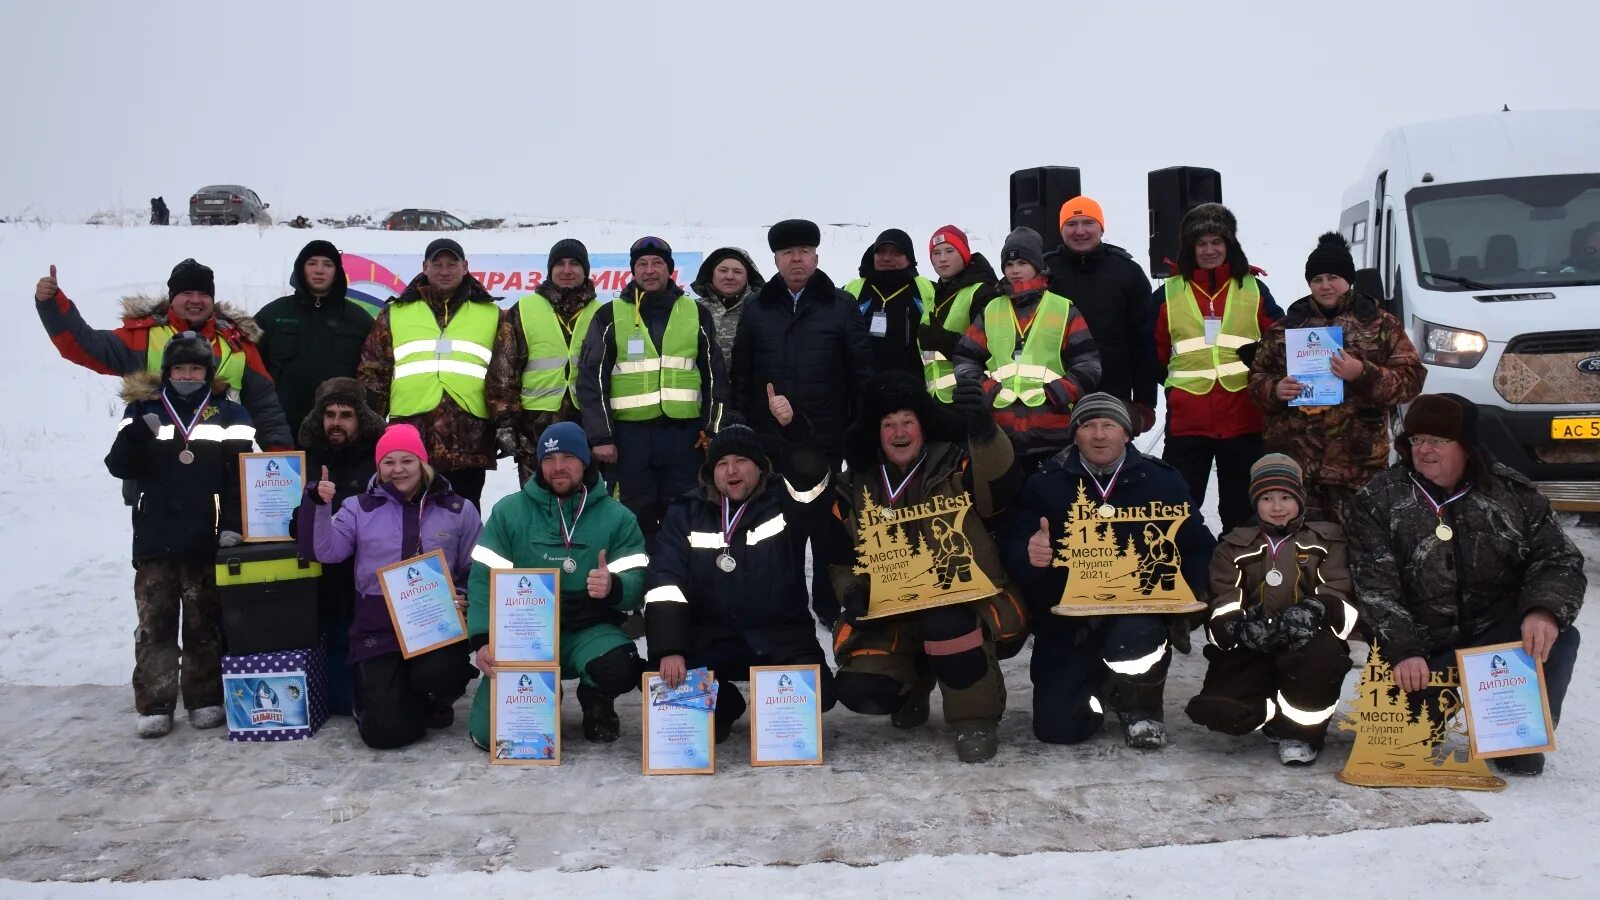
(275, 696)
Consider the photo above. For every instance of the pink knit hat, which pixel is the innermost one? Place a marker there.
(401, 437)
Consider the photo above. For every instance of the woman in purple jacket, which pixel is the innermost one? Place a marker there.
(406, 511)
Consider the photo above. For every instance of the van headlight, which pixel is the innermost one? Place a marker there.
(1454, 347)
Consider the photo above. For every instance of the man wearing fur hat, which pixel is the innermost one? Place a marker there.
(148, 325)
(179, 443)
(564, 519)
(726, 586)
(1080, 662)
(891, 296)
(340, 435)
(547, 330)
(726, 279)
(1033, 352)
(1209, 319)
(904, 451)
(1450, 549)
(313, 334)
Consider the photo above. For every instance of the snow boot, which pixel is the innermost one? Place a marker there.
(1144, 734)
(1296, 753)
(914, 711)
(207, 717)
(1527, 765)
(440, 717)
(722, 729)
(976, 741)
(154, 726)
(600, 722)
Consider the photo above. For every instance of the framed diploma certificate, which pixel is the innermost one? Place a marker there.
(1508, 710)
(677, 739)
(785, 716)
(270, 488)
(422, 603)
(525, 717)
(525, 617)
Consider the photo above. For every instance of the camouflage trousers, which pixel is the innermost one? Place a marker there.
(1329, 502)
(167, 591)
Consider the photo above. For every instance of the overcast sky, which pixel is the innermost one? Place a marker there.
(745, 112)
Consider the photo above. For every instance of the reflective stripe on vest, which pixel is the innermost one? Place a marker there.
(938, 373)
(1023, 378)
(649, 385)
(231, 369)
(429, 363)
(552, 361)
(1197, 365)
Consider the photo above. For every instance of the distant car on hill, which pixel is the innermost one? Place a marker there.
(423, 220)
(227, 204)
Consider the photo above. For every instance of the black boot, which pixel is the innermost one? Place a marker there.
(913, 712)
(600, 722)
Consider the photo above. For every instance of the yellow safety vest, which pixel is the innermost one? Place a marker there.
(430, 362)
(230, 370)
(1197, 364)
(647, 383)
(1023, 377)
(938, 373)
(552, 364)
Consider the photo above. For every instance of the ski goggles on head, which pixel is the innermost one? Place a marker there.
(648, 243)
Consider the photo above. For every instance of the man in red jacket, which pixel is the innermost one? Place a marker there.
(1209, 319)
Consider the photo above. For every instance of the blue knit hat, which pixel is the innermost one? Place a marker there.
(564, 437)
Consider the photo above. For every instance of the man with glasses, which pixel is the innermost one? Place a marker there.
(651, 383)
(1450, 549)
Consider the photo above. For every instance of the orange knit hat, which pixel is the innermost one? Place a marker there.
(1081, 206)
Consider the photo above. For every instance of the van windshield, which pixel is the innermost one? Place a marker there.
(1540, 231)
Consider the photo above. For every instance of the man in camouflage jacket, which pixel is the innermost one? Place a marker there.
(1449, 549)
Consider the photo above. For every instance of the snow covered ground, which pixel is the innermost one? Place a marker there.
(68, 617)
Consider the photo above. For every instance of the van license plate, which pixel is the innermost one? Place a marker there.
(1584, 428)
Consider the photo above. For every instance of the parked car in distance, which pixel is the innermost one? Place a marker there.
(422, 220)
(227, 204)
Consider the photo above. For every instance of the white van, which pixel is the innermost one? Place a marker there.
(1483, 237)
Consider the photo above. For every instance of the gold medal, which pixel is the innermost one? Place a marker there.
(1444, 532)
(1107, 511)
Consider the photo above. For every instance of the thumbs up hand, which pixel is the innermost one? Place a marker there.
(1039, 549)
(779, 406)
(47, 288)
(325, 487)
(600, 579)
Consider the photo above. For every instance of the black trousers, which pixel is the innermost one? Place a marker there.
(395, 695)
(468, 483)
(731, 658)
(1073, 663)
(657, 462)
(1296, 688)
(1193, 457)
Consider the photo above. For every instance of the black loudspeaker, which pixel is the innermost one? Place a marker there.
(1036, 198)
(1173, 192)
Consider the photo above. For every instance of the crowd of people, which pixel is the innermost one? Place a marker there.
(681, 457)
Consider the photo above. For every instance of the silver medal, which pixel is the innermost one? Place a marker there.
(726, 562)
(1274, 577)
(569, 565)
(186, 456)
(887, 513)
(1107, 511)
(1444, 532)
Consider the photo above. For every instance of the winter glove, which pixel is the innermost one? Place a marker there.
(229, 539)
(853, 605)
(969, 403)
(506, 441)
(153, 422)
(1298, 624)
(1258, 632)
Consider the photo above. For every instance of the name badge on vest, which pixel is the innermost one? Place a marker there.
(1213, 328)
(1016, 355)
(635, 347)
(879, 326)
(441, 347)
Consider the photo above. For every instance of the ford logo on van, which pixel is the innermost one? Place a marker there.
(1590, 364)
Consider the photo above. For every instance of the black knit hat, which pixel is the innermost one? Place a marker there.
(897, 239)
(1025, 244)
(1277, 472)
(650, 245)
(1332, 257)
(734, 438)
(191, 276)
(188, 347)
(1210, 218)
(569, 248)
(793, 233)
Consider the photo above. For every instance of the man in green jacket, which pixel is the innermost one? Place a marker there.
(563, 519)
